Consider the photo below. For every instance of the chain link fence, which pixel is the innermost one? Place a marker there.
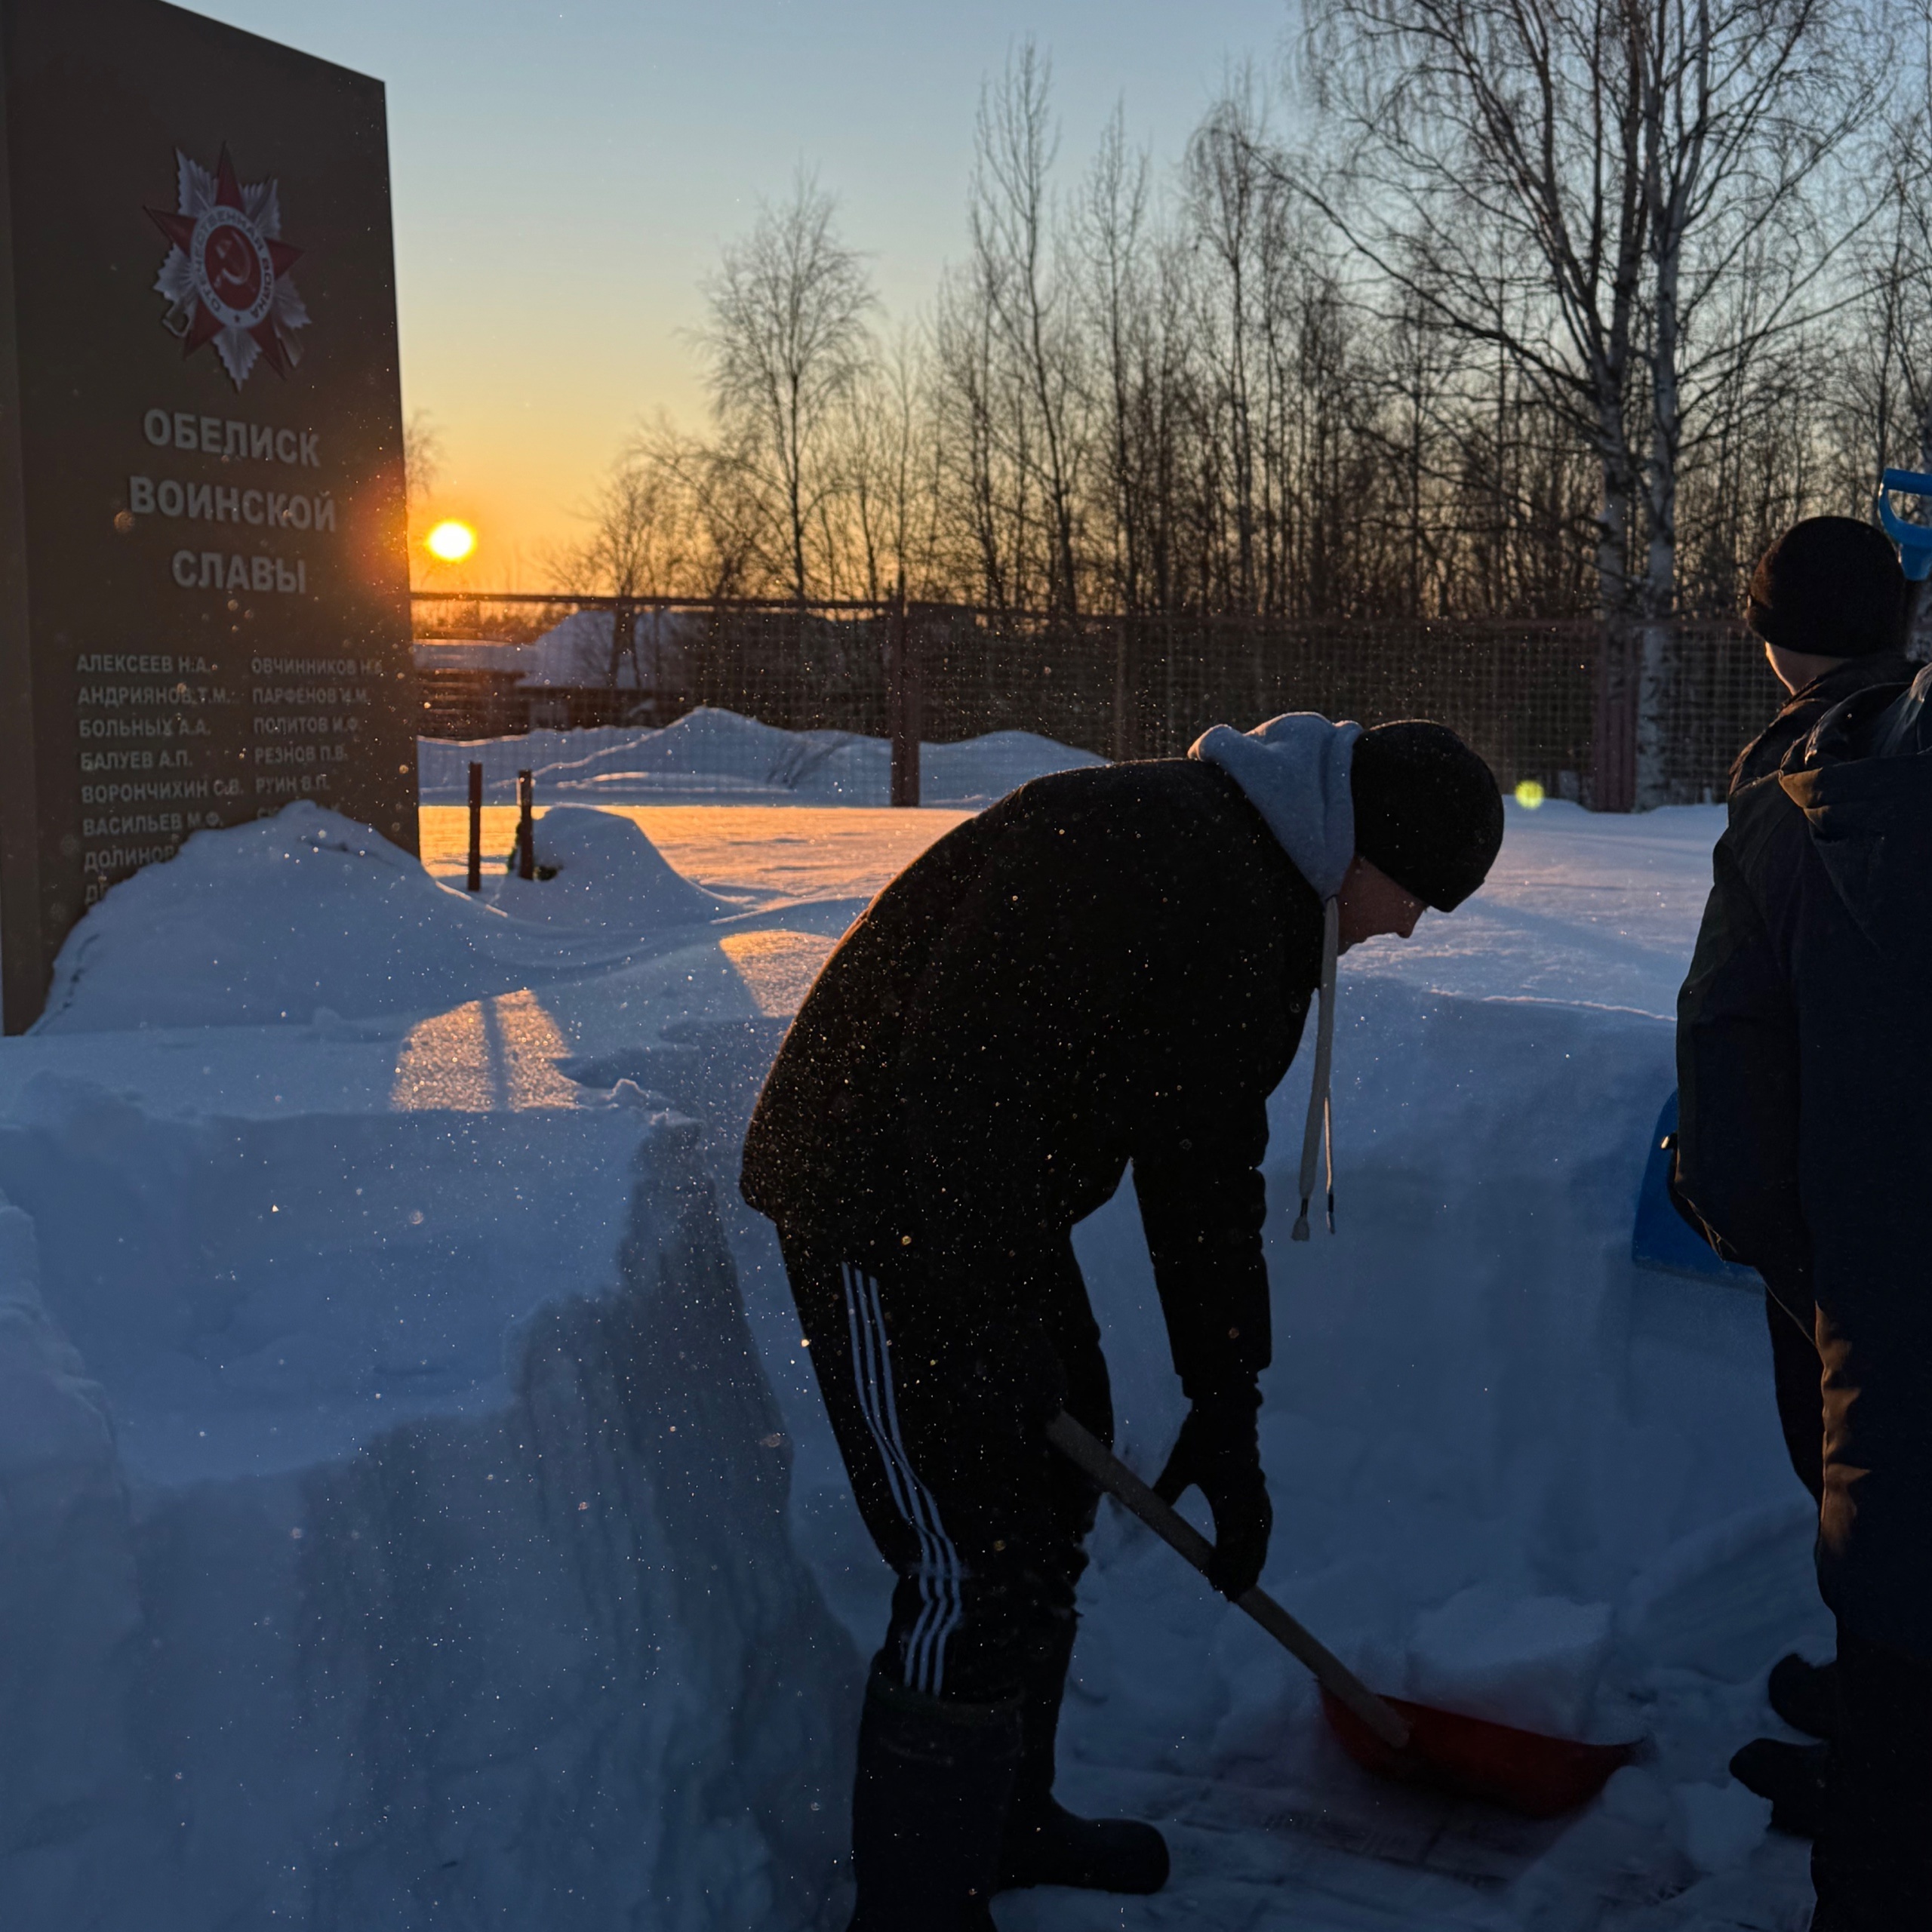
(1546, 703)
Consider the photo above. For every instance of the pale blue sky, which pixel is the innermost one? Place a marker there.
(565, 174)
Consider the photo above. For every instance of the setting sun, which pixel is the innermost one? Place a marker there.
(451, 542)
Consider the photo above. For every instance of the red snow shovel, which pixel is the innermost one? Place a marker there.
(1414, 1743)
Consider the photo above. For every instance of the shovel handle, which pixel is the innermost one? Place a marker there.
(1096, 1460)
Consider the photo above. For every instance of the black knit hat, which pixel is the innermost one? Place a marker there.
(1831, 586)
(1427, 810)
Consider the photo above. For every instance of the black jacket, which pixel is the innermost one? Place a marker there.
(1804, 707)
(1109, 966)
(1758, 1160)
(1805, 1124)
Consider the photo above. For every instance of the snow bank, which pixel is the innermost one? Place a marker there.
(306, 911)
(1722, 1589)
(1530, 1413)
(577, 651)
(733, 753)
(69, 1615)
(1533, 1662)
(1590, 909)
(977, 770)
(442, 764)
(433, 1568)
(267, 921)
(603, 873)
(710, 753)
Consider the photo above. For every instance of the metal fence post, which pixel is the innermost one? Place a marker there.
(1126, 737)
(526, 828)
(1614, 723)
(623, 642)
(901, 702)
(475, 881)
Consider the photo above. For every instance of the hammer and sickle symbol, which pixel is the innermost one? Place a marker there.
(230, 264)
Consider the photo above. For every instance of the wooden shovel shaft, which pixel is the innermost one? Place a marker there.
(1092, 1455)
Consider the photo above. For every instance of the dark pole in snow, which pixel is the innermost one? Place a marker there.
(475, 826)
(526, 830)
(901, 703)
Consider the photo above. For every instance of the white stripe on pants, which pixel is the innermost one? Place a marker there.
(941, 1572)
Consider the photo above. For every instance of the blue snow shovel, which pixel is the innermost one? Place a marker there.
(1913, 540)
(1662, 1239)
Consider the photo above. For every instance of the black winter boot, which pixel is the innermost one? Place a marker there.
(1794, 1777)
(1805, 1695)
(928, 1806)
(1046, 1845)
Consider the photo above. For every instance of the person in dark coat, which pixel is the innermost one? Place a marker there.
(1804, 1129)
(1822, 649)
(1109, 967)
(1829, 599)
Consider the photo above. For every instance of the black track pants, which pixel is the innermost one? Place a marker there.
(939, 1415)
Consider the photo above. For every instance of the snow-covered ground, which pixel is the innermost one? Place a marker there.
(711, 755)
(415, 1506)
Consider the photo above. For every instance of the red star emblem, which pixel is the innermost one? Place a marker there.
(225, 276)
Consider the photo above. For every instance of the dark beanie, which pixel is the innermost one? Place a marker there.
(1427, 810)
(1831, 586)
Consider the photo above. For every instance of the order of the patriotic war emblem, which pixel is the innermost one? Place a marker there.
(225, 277)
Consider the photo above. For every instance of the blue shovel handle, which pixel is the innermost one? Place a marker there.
(1913, 540)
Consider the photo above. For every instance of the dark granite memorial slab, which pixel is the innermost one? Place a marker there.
(204, 578)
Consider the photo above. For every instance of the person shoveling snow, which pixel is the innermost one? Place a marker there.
(1109, 966)
(1804, 1140)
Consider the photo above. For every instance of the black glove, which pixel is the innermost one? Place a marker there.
(1219, 1453)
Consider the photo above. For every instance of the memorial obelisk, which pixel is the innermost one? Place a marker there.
(204, 576)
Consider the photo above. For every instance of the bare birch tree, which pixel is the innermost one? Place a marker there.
(1744, 103)
(1110, 228)
(1026, 299)
(787, 340)
(644, 540)
(1621, 159)
(422, 457)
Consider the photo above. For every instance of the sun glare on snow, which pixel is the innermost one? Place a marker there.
(451, 541)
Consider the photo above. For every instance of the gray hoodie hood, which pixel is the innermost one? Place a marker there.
(1294, 770)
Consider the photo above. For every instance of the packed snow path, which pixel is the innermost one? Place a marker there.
(1481, 1420)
